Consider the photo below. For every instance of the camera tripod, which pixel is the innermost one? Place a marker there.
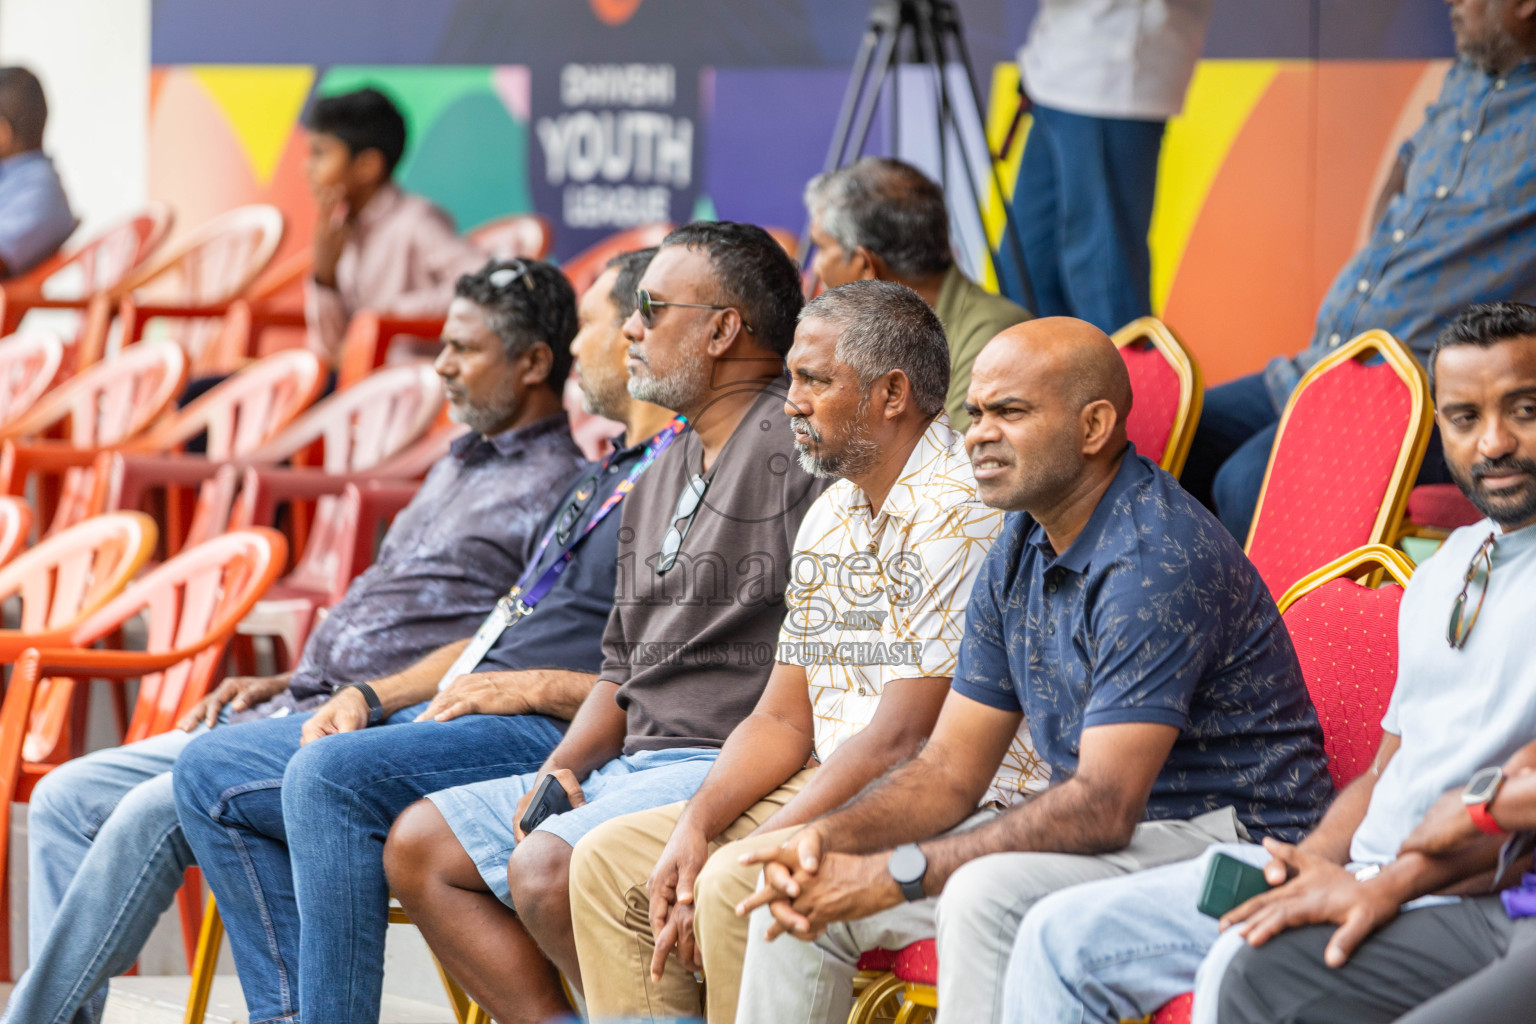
(931, 31)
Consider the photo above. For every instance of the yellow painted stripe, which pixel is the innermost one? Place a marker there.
(262, 103)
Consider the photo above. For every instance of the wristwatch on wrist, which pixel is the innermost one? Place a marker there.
(907, 866)
(1480, 791)
(375, 706)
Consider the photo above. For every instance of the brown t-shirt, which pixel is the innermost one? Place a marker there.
(691, 649)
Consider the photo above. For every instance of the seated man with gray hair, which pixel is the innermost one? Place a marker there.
(881, 219)
(883, 566)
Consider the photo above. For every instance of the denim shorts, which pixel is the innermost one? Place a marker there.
(481, 814)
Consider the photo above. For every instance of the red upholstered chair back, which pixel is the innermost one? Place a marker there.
(1166, 386)
(1346, 639)
(1348, 449)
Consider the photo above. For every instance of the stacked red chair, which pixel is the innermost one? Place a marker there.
(1349, 446)
(1166, 383)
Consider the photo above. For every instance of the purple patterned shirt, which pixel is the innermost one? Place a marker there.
(457, 547)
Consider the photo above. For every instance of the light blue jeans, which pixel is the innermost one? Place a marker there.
(1120, 948)
(105, 858)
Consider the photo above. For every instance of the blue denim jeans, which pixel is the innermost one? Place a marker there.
(105, 858)
(291, 841)
(1082, 206)
(1116, 949)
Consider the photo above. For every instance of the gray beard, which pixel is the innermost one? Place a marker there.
(679, 392)
(859, 456)
(481, 419)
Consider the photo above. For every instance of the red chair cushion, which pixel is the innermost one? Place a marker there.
(918, 963)
(1175, 1010)
(1441, 505)
(877, 960)
(1155, 385)
(1346, 639)
(1331, 468)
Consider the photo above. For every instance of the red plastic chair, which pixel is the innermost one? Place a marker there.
(15, 526)
(1166, 384)
(92, 269)
(587, 265)
(341, 545)
(237, 416)
(109, 403)
(64, 578)
(352, 431)
(190, 605)
(30, 364)
(100, 407)
(367, 342)
(195, 284)
(519, 236)
(1348, 449)
(60, 582)
(1346, 638)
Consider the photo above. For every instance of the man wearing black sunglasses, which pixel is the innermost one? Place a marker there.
(1329, 943)
(703, 560)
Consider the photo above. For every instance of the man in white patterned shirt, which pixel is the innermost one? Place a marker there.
(883, 568)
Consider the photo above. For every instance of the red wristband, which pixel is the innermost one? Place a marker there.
(1484, 820)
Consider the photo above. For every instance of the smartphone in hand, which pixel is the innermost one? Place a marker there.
(1229, 883)
(548, 798)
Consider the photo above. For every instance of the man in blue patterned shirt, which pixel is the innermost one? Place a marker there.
(1126, 626)
(1456, 224)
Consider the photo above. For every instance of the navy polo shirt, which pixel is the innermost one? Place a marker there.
(1154, 614)
(565, 630)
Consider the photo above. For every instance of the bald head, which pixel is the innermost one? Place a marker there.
(1071, 357)
(1049, 399)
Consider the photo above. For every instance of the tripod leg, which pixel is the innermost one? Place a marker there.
(884, 54)
(852, 98)
(858, 108)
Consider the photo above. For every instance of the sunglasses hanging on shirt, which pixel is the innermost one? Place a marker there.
(688, 504)
(1478, 570)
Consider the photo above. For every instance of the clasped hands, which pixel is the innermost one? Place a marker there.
(806, 887)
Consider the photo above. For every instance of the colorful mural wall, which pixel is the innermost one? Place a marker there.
(600, 114)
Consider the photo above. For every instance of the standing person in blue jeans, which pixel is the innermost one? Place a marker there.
(1103, 76)
(705, 559)
(106, 853)
(1455, 224)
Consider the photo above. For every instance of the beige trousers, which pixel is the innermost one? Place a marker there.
(610, 912)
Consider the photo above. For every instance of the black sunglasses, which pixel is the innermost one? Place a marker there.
(648, 307)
